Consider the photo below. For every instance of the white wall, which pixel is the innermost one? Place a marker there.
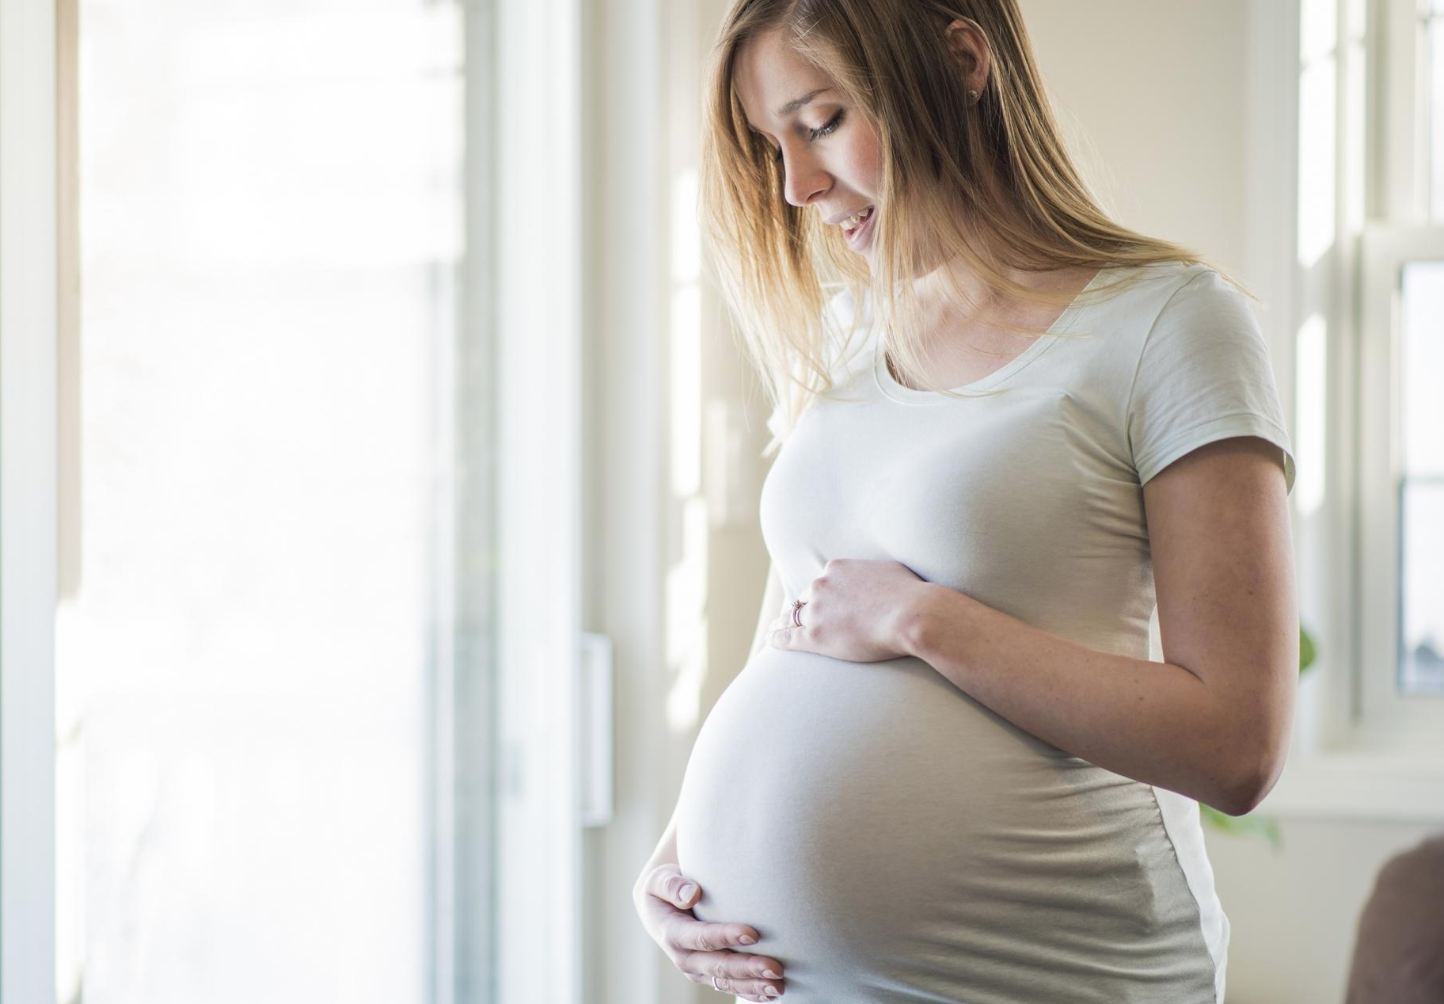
(1294, 912)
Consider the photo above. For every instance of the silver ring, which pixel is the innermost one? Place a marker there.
(797, 612)
(714, 984)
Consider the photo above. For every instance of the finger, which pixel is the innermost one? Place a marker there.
(668, 884)
(737, 974)
(685, 933)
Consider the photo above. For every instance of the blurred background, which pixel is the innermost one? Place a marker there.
(379, 472)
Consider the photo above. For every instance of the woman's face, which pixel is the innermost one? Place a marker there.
(831, 155)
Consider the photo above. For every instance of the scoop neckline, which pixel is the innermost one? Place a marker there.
(889, 386)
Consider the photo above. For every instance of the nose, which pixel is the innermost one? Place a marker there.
(805, 179)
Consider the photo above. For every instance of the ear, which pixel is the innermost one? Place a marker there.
(969, 47)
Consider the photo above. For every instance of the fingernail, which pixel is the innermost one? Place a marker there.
(770, 974)
(747, 939)
(687, 891)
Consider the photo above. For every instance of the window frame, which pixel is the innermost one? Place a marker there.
(542, 675)
(1398, 231)
(1385, 718)
(1359, 751)
(1402, 154)
(29, 342)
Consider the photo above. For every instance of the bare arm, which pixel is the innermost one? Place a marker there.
(1213, 721)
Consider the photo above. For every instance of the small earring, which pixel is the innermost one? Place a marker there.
(972, 95)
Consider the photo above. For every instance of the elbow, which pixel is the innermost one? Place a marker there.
(1240, 800)
(1260, 742)
(1250, 785)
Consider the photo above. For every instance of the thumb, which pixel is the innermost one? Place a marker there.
(667, 883)
(687, 894)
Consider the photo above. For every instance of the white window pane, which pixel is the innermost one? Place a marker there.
(1318, 128)
(1421, 651)
(1318, 29)
(271, 204)
(1421, 522)
(1422, 367)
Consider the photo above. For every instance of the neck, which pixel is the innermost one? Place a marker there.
(954, 277)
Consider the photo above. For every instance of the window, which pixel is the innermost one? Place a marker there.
(1421, 479)
(257, 620)
(296, 725)
(1398, 698)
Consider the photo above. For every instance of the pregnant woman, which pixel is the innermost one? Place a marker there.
(952, 769)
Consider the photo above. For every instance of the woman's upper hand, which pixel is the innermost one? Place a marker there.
(702, 950)
(858, 609)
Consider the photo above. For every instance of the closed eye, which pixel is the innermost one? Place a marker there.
(815, 134)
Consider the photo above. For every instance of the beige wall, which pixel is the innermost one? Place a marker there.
(1153, 98)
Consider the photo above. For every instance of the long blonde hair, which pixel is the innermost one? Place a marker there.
(891, 62)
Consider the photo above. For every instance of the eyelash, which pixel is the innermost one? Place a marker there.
(831, 125)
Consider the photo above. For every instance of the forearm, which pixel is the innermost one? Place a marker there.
(1153, 722)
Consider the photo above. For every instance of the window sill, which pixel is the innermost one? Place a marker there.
(1349, 784)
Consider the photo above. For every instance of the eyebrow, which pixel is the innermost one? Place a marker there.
(797, 103)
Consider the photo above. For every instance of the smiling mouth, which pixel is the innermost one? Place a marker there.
(867, 215)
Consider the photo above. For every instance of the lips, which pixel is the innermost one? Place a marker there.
(863, 229)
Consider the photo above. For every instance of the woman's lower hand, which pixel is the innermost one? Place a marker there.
(703, 950)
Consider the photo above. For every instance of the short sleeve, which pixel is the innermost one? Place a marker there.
(1203, 374)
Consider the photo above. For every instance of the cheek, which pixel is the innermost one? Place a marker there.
(867, 164)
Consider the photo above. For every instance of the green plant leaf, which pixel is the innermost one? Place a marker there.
(1307, 653)
(1242, 825)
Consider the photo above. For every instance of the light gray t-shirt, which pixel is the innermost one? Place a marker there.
(892, 839)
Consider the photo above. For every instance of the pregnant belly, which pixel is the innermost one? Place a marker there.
(893, 840)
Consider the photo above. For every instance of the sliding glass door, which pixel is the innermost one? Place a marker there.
(294, 758)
